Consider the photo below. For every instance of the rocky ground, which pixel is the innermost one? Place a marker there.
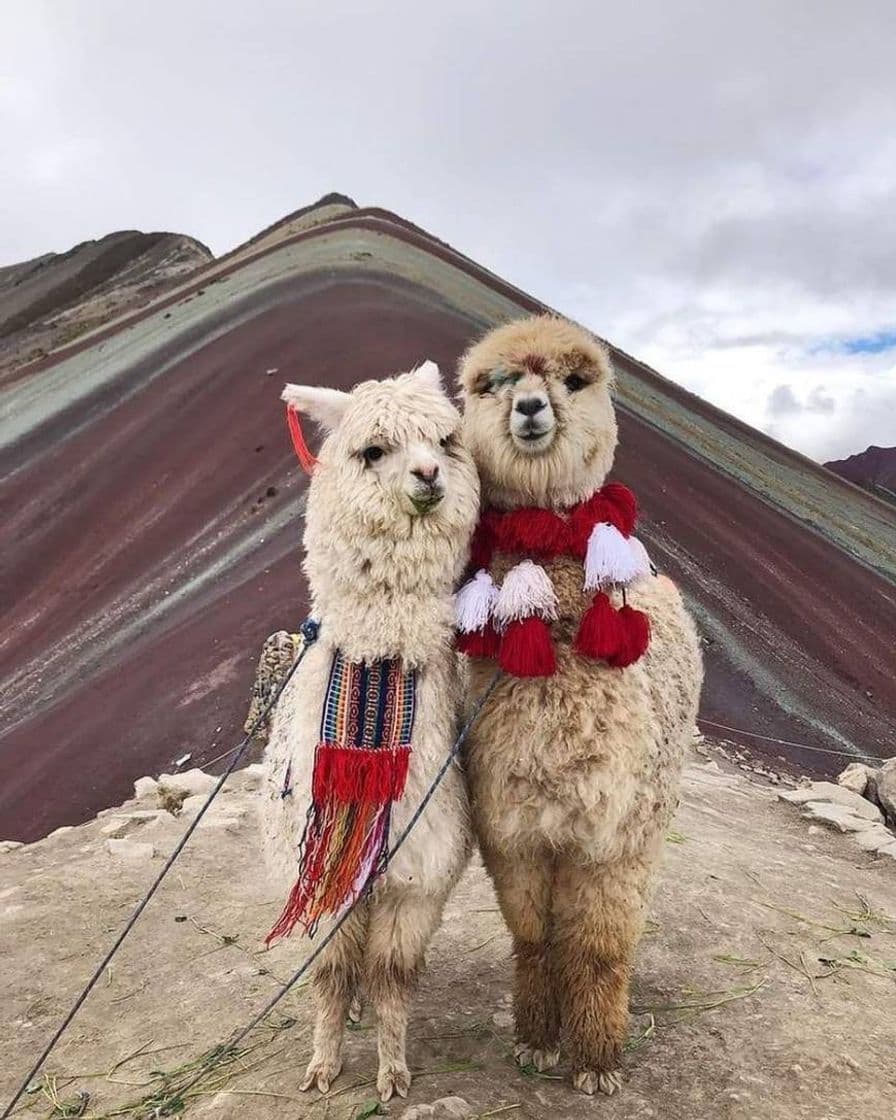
(765, 987)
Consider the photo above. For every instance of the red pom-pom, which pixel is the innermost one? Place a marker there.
(623, 507)
(600, 632)
(479, 643)
(635, 630)
(527, 649)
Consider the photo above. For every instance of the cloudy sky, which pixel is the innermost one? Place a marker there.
(710, 185)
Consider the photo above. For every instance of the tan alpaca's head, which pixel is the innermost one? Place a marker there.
(538, 415)
(392, 465)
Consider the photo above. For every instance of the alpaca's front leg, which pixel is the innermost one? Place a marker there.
(402, 922)
(524, 887)
(336, 984)
(598, 915)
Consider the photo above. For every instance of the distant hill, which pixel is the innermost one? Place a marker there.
(874, 469)
(47, 302)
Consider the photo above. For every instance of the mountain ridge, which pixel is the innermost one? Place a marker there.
(874, 469)
(153, 499)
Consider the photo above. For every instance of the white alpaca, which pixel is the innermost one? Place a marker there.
(391, 507)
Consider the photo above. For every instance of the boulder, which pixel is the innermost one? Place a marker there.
(855, 777)
(874, 838)
(191, 781)
(145, 787)
(829, 793)
(882, 787)
(839, 816)
(248, 779)
(122, 824)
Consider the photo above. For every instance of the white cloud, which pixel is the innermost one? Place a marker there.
(711, 186)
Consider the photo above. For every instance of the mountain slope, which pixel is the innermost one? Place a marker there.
(48, 301)
(154, 506)
(874, 469)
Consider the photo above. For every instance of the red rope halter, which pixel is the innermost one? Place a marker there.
(303, 453)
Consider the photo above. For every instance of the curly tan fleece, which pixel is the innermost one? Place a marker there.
(573, 778)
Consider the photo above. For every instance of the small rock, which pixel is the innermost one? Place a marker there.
(248, 779)
(452, 1108)
(10, 845)
(837, 815)
(417, 1112)
(61, 831)
(712, 765)
(191, 806)
(145, 787)
(193, 781)
(855, 778)
(122, 824)
(874, 838)
(832, 794)
(888, 850)
(883, 785)
(130, 850)
(503, 1020)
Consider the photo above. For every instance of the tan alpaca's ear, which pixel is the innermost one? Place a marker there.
(429, 373)
(325, 407)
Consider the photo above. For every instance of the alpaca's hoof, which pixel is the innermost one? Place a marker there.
(591, 1082)
(542, 1060)
(322, 1073)
(392, 1079)
(355, 1010)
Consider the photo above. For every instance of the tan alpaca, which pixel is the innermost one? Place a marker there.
(573, 777)
(391, 506)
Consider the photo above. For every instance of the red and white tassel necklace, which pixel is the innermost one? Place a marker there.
(511, 624)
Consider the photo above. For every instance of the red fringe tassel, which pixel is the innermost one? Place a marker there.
(618, 637)
(600, 631)
(527, 649)
(635, 630)
(357, 776)
(484, 643)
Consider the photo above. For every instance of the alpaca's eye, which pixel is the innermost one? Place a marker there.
(574, 383)
(446, 441)
(372, 453)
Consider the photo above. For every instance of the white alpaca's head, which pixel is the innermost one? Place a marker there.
(393, 499)
(392, 453)
(538, 415)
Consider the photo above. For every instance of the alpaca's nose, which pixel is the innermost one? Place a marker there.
(428, 474)
(530, 406)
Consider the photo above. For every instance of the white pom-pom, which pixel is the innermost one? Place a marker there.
(526, 590)
(474, 603)
(609, 558)
(645, 568)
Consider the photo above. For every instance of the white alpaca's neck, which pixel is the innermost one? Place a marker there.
(380, 598)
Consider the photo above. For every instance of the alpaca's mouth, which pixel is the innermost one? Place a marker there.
(427, 500)
(533, 438)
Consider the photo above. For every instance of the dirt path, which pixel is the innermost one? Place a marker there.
(765, 988)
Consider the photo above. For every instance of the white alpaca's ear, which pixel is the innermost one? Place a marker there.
(429, 373)
(326, 407)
